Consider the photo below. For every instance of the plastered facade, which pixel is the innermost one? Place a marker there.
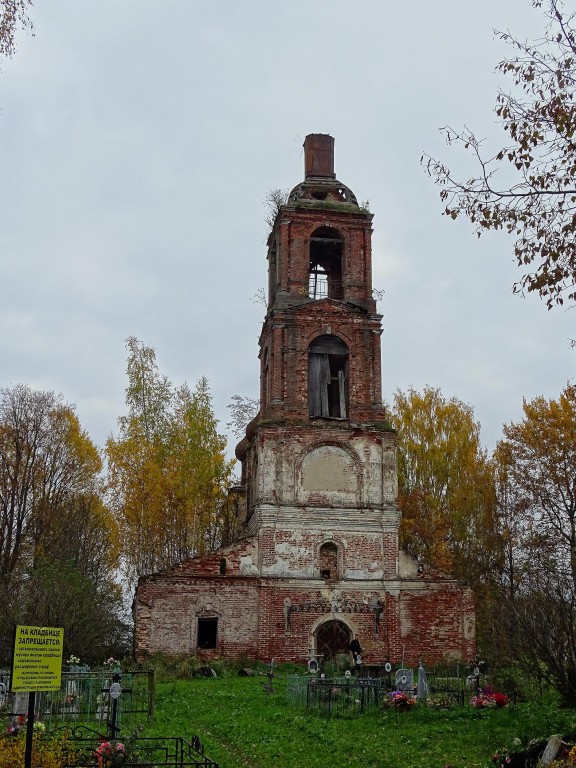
(317, 559)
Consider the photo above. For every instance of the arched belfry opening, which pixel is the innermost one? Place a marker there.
(325, 274)
(327, 378)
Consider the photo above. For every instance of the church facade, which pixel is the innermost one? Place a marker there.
(317, 558)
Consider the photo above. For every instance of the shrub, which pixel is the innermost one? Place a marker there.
(47, 752)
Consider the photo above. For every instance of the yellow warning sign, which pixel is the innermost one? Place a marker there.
(37, 658)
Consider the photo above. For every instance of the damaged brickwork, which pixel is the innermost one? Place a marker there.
(317, 559)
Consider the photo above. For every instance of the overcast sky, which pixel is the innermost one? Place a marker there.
(138, 141)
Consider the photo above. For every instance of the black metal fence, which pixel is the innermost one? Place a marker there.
(161, 752)
(447, 686)
(89, 749)
(84, 696)
(344, 698)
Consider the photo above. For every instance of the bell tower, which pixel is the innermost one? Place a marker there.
(314, 560)
(320, 344)
(319, 460)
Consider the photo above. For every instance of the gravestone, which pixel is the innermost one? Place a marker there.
(245, 672)
(404, 680)
(551, 751)
(205, 672)
(20, 703)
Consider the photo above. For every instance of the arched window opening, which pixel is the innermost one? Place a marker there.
(325, 275)
(328, 561)
(327, 378)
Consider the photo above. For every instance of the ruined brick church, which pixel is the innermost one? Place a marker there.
(317, 559)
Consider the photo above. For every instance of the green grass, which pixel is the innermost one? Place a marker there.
(241, 725)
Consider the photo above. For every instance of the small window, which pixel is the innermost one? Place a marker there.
(328, 561)
(207, 632)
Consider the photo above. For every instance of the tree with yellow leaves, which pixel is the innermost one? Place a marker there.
(447, 496)
(537, 497)
(446, 489)
(58, 541)
(538, 456)
(168, 474)
(49, 470)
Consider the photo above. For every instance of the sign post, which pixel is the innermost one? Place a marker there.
(37, 666)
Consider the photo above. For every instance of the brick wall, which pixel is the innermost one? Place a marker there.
(312, 482)
(429, 620)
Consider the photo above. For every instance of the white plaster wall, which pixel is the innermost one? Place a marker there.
(354, 473)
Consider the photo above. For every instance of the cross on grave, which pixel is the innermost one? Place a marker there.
(269, 685)
(114, 692)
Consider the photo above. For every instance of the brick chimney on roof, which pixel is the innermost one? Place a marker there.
(319, 155)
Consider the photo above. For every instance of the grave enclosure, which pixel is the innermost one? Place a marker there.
(84, 696)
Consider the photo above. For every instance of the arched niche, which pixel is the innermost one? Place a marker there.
(328, 475)
(330, 561)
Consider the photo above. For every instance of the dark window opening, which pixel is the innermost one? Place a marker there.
(327, 377)
(207, 633)
(325, 274)
(328, 557)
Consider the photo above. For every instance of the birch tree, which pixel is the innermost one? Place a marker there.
(168, 474)
(13, 14)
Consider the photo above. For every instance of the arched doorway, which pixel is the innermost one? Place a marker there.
(332, 638)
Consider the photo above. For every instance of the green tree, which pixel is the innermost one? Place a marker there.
(57, 594)
(528, 186)
(168, 474)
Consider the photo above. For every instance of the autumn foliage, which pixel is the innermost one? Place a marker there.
(446, 492)
(58, 542)
(168, 474)
(527, 187)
